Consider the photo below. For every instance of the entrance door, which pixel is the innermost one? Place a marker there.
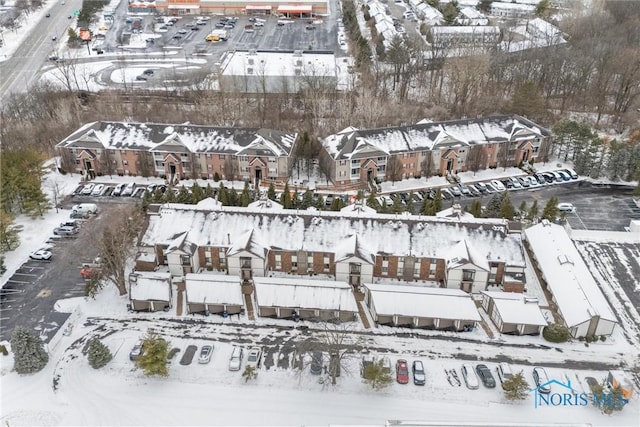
(449, 165)
(369, 175)
(89, 168)
(258, 176)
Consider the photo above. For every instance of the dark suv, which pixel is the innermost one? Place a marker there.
(485, 376)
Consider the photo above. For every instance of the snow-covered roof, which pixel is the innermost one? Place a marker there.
(356, 143)
(249, 243)
(150, 286)
(454, 211)
(471, 13)
(383, 234)
(266, 204)
(420, 301)
(496, 5)
(357, 208)
(213, 289)
(464, 252)
(304, 293)
(284, 63)
(209, 203)
(178, 138)
(576, 292)
(516, 308)
(353, 247)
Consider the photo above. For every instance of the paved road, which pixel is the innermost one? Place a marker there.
(19, 73)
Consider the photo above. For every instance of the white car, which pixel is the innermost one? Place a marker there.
(498, 185)
(470, 377)
(205, 354)
(40, 254)
(254, 357)
(504, 372)
(87, 190)
(566, 207)
(235, 361)
(129, 189)
(118, 190)
(97, 190)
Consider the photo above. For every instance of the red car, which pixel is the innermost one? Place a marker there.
(402, 371)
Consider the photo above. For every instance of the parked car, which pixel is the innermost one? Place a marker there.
(97, 190)
(540, 178)
(87, 190)
(566, 207)
(504, 372)
(571, 173)
(65, 231)
(141, 78)
(91, 208)
(70, 223)
(498, 185)
(482, 187)
(386, 364)
(490, 187)
(419, 377)
(402, 371)
(446, 194)
(455, 191)
(464, 189)
(474, 190)
(253, 359)
(516, 183)
(128, 189)
(40, 254)
(118, 189)
(523, 181)
(205, 354)
(136, 351)
(485, 376)
(541, 380)
(316, 363)
(79, 215)
(507, 183)
(470, 377)
(533, 181)
(565, 176)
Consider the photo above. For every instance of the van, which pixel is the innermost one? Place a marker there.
(470, 377)
(85, 208)
(504, 372)
(235, 361)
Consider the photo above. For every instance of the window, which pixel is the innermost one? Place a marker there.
(272, 159)
(385, 265)
(309, 262)
(125, 163)
(355, 162)
(468, 275)
(354, 268)
(245, 262)
(184, 156)
(221, 156)
(209, 167)
(400, 266)
(244, 158)
(294, 261)
(343, 162)
(222, 254)
(207, 258)
(416, 269)
(185, 259)
(355, 171)
(278, 257)
(325, 262)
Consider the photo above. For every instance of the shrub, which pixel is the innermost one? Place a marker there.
(28, 351)
(216, 177)
(3, 350)
(603, 338)
(99, 354)
(556, 333)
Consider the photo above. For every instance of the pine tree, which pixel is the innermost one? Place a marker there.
(506, 207)
(515, 387)
(35, 202)
(410, 202)
(377, 376)
(184, 196)
(550, 211)
(493, 206)
(249, 373)
(295, 200)
(307, 199)
(223, 197)
(9, 235)
(208, 191)
(285, 198)
(233, 197)
(169, 195)
(216, 177)
(360, 195)
(372, 202)
(271, 192)
(522, 209)
(319, 203)
(397, 205)
(476, 208)
(533, 211)
(197, 193)
(147, 198)
(153, 360)
(337, 204)
(437, 202)
(245, 197)
(28, 351)
(98, 354)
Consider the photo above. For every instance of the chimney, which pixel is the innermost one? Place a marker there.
(228, 238)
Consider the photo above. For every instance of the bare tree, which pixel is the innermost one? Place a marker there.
(341, 343)
(230, 168)
(145, 163)
(107, 162)
(394, 169)
(477, 158)
(117, 243)
(426, 165)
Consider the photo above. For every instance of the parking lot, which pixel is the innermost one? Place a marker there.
(29, 296)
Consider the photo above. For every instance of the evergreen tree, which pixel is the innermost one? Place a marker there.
(245, 196)
(9, 235)
(169, 195)
(98, 354)
(506, 207)
(522, 210)
(372, 202)
(360, 195)
(223, 196)
(377, 376)
(197, 193)
(476, 208)
(307, 199)
(437, 202)
(28, 351)
(515, 387)
(184, 196)
(410, 202)
(550, 210)
(533, 211)
(295, 200)
(249, 373)
(271, 192)
(450, 12)
(158, 196)
(493, 207)
(232, 195)
(397, 205)
(542, 8)
(216, 177)
(153, 360)
(34, 202)
(605, 403)
(147, 197)
(337, 204)
(208, 191)
(319, 202)
(285, 198)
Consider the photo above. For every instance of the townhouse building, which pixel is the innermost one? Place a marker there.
(355, 248)
(356, 157)
(178, 151)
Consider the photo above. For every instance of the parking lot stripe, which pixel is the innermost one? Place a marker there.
(18, 282)
(25, 274)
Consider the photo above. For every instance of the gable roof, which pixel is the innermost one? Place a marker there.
(464, 252)
(350, 142)
(180, 138)
(289, 230)
(515, 308)
(247, 242)
(213, 289)
(150, 286)
(352, 247)
(180, 243)
(304, 293)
